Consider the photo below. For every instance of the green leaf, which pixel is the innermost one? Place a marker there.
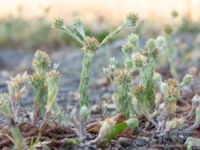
(130, 123)
(18, 139)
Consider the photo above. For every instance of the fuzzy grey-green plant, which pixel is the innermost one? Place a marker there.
(131, 20)
(16, 87)
(128, 48)
(41, 63)
(122, 82)
(139, 93)
(52, 89)
(172, 94)
(40, 91)
(89, 45)
(59, 23)
(9, 103)
(6, 110)
(122, 76)
(45, 84)
(145, 91)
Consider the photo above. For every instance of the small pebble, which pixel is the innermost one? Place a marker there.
(186, 92)
(124, 141)
(141, 142)
(95, 109)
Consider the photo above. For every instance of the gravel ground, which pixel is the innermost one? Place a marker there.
(70, 60)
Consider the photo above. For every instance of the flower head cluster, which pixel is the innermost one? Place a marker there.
(90, 44)
(53, 79)
(139, 59)
(172, 91)
(3, 98)
(34, 77)
(151, 50)
(127, 48)
(17, 80)
(133, 39)
(122, 75)
(175, 14)
(59, 23)
(168, 29)
(150, 44)
(78, 26)
(37, 81)
(16, 85)
(138, 89)
(131, 19)
(54, 73)
(41, 62)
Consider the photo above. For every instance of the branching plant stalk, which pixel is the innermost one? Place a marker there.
(112, 34)
(89, 45)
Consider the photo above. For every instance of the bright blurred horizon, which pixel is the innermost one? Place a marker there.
(90, 10)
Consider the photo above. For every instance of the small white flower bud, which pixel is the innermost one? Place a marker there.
(132, 123)
(186, 80)
(84, 112)
(139, 59)
(196, 101)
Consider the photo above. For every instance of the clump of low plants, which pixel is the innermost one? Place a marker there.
(145, 91)
(122, 76)
(45, 82)
(41, 63)
(167, 119)
(89, 46)
(149, 97)
(9, 105)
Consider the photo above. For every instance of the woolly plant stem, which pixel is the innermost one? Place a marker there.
(84, 79)
(147, 79)
(71, 33)
(123, 99)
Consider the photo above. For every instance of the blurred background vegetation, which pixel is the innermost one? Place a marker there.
(27, 25)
